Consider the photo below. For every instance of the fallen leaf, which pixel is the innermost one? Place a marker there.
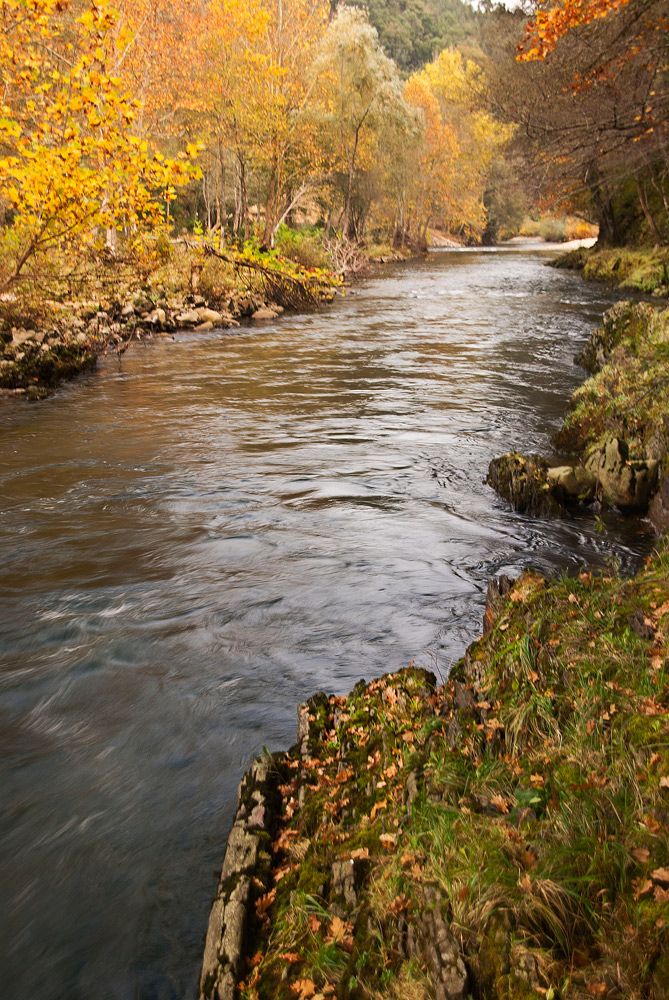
(537, 779)
(289, 956)
(664, 781)
(641, 854)
(391, 771)
(500, 803)
(660, 895)
(340, 933)
(303, 988)
(314, 924)
(596, 989)
(525, 883)
(264, 902)
(399, 904)
(256, 960)
(660, 875)
(389, 841)
(408, 737)
(573, 599)
(378, 807)
(360, 854)
(642, 888)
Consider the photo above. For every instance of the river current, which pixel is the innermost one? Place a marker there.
(198, 539)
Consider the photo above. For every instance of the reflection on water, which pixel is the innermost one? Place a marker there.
(197, 541)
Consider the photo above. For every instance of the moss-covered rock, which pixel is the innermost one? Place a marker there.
(523, 481)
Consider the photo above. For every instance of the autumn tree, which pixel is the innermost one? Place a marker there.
(590, 92)
(458, 145)
(362, 91)
(71, 162)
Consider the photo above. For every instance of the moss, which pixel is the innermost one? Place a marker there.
(643, 269)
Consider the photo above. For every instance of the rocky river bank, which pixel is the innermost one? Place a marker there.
(73, 334)
(615, 437)
(501, 835)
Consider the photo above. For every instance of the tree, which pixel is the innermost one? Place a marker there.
(71, 163)
(361, 88)
(593, 99)
(458, 145)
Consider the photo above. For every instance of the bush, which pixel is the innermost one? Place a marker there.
(303, 246)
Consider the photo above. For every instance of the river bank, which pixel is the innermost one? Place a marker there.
(615, 437)
(504, 833)
(645, 269)
(44, 341)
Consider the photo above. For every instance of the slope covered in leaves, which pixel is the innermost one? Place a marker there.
(502, 835)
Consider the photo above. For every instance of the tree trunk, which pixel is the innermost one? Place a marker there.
(346, 220)
(270, 203)
(645, 208)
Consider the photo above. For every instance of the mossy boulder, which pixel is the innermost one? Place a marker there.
(523, 481)
(625, 483)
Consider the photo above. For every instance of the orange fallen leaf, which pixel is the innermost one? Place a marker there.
(264, 902)
(314, 924)
(408, 737)
(660, 875)
(500, 803)
(340, 933)
(378, 807)
(303, 988)
(360, 854)
(399, 904)
(289, 956)
(389, 841)
(641, 854)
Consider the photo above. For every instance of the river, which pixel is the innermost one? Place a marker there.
(196, 540)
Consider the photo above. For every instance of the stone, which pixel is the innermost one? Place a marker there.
(627, 484)
(463, 697)
(658, 511)
(205, 326)
(209, 315)
(264, 313)
(128, 310)
(21, 336)
(241, 854)
(343, 882)
(494, 601)
(187, 318)
(142, 304)
(575, 482)
(522, 480)
(157, 317)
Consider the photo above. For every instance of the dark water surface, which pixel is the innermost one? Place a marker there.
(193, 544)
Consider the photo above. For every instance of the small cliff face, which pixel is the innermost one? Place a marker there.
(502, 835)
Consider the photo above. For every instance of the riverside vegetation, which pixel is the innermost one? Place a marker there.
(502, 835)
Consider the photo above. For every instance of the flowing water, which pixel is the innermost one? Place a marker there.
(198, 540)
